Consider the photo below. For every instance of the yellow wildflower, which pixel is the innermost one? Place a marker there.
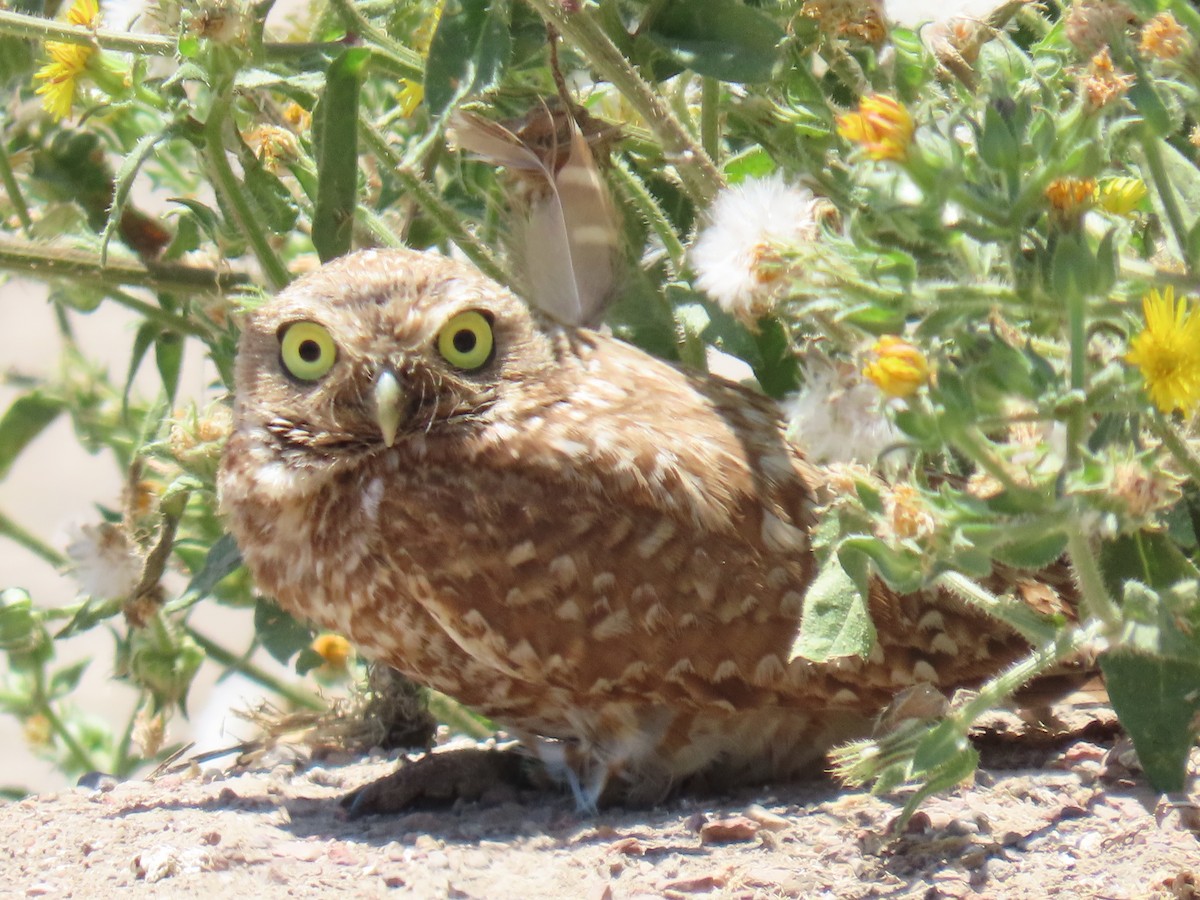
(412, 93)
(1163, 37)
(1069, 198)
(68, 63)
(898, 368)
(1167, 351)
(881, 124)
(334, 649)
(410, 96)
(1120, 196)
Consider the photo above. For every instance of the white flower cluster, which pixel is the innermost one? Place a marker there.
(103, 561)
(738, 255)
(838, 416)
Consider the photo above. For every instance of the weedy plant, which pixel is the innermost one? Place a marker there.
(961, 258)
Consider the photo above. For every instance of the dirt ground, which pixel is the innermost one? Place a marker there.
(1077, 824)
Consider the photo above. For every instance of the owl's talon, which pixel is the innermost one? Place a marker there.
(438, 780)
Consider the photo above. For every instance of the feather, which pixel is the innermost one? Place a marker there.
(568, 239)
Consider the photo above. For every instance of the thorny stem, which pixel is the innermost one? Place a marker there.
(15, 197)
(710, 117)
(1094, 599)
(992, 692)
(1166, 193)
(640, 197)
(297, 696)
(408, 62)
(1016, 615)
(1178, 446)
(231, 191)
(30, 541)
(436, 208)
(37, 28)
(699, 175)
(46, 262)
(56, 725)
(1077, 336)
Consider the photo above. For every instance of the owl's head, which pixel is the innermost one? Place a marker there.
(383, 345)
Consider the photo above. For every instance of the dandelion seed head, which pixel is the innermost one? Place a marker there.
(740, 256)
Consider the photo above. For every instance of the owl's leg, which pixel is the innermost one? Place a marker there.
(438, 780)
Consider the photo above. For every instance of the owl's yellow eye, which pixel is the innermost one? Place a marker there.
(466, 340)
(307, 350)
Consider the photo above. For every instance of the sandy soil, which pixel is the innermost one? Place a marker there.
(1078, 825)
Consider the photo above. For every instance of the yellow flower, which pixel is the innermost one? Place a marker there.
(1069, 199)
(68, 63)
(881, 125)
(410, 96)
(334, 649)
(898, 368)
(1120, 196)
(1163, 37)
(1168, 351)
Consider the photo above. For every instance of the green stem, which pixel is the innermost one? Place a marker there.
(976, 446)
(991, 693)
(123, 762)
(231, 191)
(1166, 193)
(1094, 600)
(378, 228)
(408, 62)
(434, 207)
(643, 201)
(297, 696)
(153, 313)
(14, 191)
(710, 117)
(1077, 337)
(697, 172)
(1178, 446)
(18, 534)
(1016, 615)
(39, 29)
(46, 262)
(56, 724)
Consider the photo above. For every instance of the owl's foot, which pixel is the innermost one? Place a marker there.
(438, 780)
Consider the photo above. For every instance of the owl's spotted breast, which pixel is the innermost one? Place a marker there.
(581, 541)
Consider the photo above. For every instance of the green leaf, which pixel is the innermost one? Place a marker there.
(901, 571)
(66, 679)
(997, 144)
(28, 417)
(753, 162)
(943, 759)
(335, 133)
(223, 559)
(1157, 701)
(777, 369)
(307, 660)
(168, 355)
(468, 53)
(1032, 553)
(142, 341)
(836, 622)
(123, 184)
(280, 634)
(1146, 100)
(722, 39)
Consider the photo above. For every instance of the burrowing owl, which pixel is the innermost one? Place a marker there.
(601, 552)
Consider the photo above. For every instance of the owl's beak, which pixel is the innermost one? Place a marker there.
(389, 399)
